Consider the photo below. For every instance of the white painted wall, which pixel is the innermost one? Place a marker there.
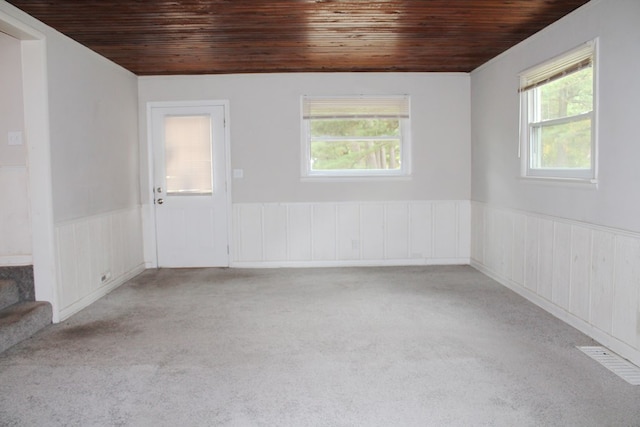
(266, 137)
(11, 105)
(494, 122)
(94, 165)
(89, 135)
(265, 131)
(15, 223)
(573, 249)
(94, 133)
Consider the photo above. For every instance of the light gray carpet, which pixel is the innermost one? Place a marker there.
(401, 346)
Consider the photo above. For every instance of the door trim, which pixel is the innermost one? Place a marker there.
(148, 213)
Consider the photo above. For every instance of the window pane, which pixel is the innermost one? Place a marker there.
(188, 163)
(355, 155)
(568, 96)
(355, 144)
(562, 146)
(355, 128)
(356, 136)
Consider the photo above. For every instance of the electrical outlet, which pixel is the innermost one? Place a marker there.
(14, 138)
(105, 277)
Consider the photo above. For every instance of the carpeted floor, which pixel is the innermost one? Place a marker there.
(395, 346)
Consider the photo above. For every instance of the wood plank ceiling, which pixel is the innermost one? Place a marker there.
(256, 36)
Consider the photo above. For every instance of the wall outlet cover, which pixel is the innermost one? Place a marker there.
(14, 138)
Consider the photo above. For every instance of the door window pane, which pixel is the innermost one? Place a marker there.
(188, 160)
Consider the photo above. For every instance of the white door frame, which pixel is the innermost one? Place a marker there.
(151, 255)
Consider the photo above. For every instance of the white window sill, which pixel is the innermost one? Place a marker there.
(566, 182)
(354, 178)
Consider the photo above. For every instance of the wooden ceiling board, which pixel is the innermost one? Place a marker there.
(252, 36)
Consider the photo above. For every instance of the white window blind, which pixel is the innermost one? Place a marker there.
(370, 107)
(557, 68)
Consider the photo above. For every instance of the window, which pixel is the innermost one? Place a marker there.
(557, 105)
(188, 162)
(355, 136)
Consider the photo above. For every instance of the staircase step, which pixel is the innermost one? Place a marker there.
(9, 293)
(20, 321)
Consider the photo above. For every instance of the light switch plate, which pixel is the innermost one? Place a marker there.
(14, 138)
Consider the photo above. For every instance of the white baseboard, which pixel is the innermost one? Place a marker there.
(351, 263)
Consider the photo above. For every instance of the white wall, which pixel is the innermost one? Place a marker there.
(89, 135)
(266, 142)
(94, 165)
(94, 133)
(15, 225)
(495, 104)
(571, 248)
(265, 131)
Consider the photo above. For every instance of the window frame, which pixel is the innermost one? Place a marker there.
(356, 174)
(529, 123)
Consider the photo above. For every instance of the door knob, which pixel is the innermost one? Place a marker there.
(160, 201)
(159, 190)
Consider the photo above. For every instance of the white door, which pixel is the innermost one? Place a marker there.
(190, 185)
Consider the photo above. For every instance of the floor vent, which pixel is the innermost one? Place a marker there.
(616, 364)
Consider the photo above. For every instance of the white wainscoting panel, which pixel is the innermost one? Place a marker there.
(298, 235)
(348, 232)
(351, 233)
(625, 298)
(397, 231)
(15, 221)
(421, 230)
(95, 255)
(275, 233)
(585, 274)
(372, 231)
(580, 271)
(249, 238)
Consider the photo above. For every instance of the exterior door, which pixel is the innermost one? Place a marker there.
(190, 185)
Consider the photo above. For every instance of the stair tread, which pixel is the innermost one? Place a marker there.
(20, 321)
(15, 312)
(9, 293)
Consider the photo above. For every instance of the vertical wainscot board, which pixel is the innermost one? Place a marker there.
(15, 221)
(351, 233)
(96, 255)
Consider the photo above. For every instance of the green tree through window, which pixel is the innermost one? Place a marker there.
(558, 121)
(347, 136)
(355, 144)
(566, 145)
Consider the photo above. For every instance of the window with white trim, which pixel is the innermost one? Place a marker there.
(355, 136)
(558, 117)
